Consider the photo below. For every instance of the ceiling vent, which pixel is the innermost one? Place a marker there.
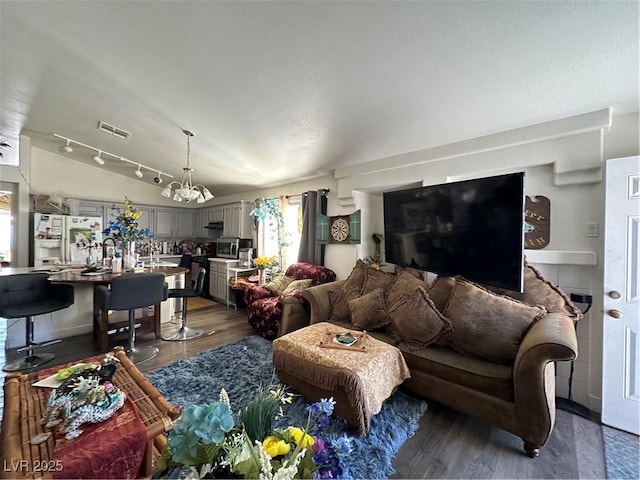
(115, 131)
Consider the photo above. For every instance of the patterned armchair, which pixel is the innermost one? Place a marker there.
(272, 313)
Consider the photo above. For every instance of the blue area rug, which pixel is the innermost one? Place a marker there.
(241, 367)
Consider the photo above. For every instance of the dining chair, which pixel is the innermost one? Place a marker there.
(129, 292)
(184, 332)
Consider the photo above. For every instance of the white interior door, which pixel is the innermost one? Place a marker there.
(621, 335)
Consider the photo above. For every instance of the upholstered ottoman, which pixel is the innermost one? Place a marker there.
(359, 380)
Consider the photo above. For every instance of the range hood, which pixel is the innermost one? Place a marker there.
(215, 225)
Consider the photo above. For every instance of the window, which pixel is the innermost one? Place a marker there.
(269, 237)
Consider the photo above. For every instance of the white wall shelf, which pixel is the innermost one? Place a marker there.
(561, 257)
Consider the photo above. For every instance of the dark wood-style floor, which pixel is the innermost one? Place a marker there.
(447, 444)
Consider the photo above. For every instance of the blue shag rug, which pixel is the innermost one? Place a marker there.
(241, 367)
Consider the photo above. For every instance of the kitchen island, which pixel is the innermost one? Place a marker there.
(78, 318)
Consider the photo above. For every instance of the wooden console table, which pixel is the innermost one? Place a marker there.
(25, 405)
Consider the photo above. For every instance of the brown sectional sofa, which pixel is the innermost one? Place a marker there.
(517, 395)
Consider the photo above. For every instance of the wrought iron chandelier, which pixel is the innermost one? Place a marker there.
(186, 190)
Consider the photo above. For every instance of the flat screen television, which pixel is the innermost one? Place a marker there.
(473, 228)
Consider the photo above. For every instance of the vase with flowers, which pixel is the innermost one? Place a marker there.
(210, 441)
(262, 264)
(125, 229)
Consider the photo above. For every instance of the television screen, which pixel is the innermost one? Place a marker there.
(473, 228)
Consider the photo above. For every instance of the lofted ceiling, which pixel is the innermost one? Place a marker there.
(281, 91)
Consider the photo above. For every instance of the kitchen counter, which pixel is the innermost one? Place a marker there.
(78, 318)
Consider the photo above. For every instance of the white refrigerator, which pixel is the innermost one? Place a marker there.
(66, 240)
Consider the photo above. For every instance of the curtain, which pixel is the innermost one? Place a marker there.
(313, 203)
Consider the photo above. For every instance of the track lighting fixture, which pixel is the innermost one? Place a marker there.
(186, 189)
(98, 157)
(66, 148)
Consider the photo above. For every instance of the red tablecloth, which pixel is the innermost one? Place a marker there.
(110, 449)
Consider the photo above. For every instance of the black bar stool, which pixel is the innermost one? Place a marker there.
(27, 295)
(128, 292)
(184, 332)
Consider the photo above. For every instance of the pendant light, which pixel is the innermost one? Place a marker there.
(187, 190)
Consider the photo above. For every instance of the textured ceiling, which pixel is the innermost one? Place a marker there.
(278, 91)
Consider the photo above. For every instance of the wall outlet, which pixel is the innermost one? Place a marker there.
(593, 229)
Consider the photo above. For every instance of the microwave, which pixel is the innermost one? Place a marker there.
(229, 247)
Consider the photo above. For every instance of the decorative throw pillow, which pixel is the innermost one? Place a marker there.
(402, 284)
(368, 311)
(488, 325)
(297, 286)
(375, 279)
(415, 319)
(440, 291)
(540, 291)
(278, 284)
(350, 290)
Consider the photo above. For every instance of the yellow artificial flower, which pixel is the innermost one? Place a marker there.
(303, 439)
(275, 447)
(265, 262)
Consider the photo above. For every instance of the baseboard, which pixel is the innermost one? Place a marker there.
(573, 407)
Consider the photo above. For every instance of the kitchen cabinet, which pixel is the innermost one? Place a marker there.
(227, 230)
(237, 221)
(184, 224)
(164, 222)
(216, 214)
(219, 277)
(90, 209)
(146, 218)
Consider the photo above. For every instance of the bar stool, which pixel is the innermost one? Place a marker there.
(184, 332)
(128, 292)
(27, 295)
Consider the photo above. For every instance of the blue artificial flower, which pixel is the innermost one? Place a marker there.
(199, 423)
(183, 444)
(321, 410)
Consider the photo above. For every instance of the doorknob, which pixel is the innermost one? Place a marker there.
(615, 313)
(614, 294)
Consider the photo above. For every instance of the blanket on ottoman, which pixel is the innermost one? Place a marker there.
(359, 381)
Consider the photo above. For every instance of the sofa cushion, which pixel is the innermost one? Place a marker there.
(297, 286)
(476, 374)
(440, 291)
(487, 325)
(350, 289)
(540, 291)
(278, 284)
(368, 311)
(415, 320)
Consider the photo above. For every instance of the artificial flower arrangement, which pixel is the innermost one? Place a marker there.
(210, 441)
(265, 262)
(125, 227)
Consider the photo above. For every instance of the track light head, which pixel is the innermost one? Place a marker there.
(158, 179)
(97, 158)
(66, 148)
(138, 173)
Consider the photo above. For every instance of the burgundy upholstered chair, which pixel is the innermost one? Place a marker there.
(267, 310)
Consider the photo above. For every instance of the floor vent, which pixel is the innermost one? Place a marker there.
(115, 131)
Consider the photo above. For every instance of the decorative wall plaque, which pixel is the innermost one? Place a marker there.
(537, 215)
(338, 229)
